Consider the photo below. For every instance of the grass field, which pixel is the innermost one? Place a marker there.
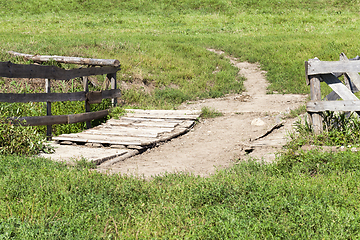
(162, 46)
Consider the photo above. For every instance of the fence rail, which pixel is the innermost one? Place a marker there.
(322, 71)
(96, 67)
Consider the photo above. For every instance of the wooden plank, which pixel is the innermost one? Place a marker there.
(41, 120)
(119, 129)
(125, 134)
(60, 119)
(11, 70)
(83, 117)
(86, 104)
(94, 97)
(181, 117)
(177, 132)
(320, 106)
(325, 67)
(163, 112)
(113, 93)
(151, 133)
(114, 122)
(71, 60)
(53, 97)
(41, 97)
(135, 119)
(353, 76)
(48, 109)
(80, 137)
(315, 93)
(338, 87)
(112, 78)
(186, 124)
(115, 142)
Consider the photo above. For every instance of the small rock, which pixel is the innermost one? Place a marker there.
(257, 122)
(66, 143)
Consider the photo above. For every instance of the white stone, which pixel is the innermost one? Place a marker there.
(257, 122)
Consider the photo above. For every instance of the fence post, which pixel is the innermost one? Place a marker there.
(87, 104)
(315, 93)
(48, 110)
(112, 78)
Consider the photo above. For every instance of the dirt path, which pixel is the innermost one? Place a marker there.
(219, 142)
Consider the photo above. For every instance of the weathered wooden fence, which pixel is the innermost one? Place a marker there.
(48, 73)
(325, 71)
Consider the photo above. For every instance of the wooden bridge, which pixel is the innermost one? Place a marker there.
(125, 137)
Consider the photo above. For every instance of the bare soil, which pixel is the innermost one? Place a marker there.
(245, 130)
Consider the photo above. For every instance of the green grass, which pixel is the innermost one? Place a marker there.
(162, 46)
(313, 195)
(164, 43)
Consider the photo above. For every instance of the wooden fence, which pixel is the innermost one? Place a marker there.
(324, 71)
(96, 67)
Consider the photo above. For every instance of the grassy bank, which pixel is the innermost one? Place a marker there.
(309, 196)
(163, 44)
(162, 47)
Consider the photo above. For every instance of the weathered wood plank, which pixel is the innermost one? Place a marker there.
(353, 76)
(112, 78)
(86, 104)
(83, 117)
(163, 112)
(135, 119)
(125, 134)
(48, 109)
(112, 93)
(315, 93)
(119, 130)
(106, 126)
(11, 70)
(152, 132)
(325, 67)
(81, 137)
(177, 132)
(71, 60)
(114, 122)
(60, 119)
(171, 116)
(41, 120)
(41, 97)
(114, 142)
(53, 97)
(320, 106)
(338, 87)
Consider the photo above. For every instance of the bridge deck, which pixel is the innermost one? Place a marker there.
(137, 130)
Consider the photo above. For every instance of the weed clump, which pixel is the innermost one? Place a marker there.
(338, 130)
(207, 112)
(21, 140)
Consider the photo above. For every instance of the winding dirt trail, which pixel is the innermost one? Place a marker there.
(220, 142)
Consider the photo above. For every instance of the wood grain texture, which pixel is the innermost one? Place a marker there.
(338, 87)
(320, 106)
(135, 131)
(54, 97)
(72, 60)
(325, 67)
(11, 70)
(315, 93)
(59, 119)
